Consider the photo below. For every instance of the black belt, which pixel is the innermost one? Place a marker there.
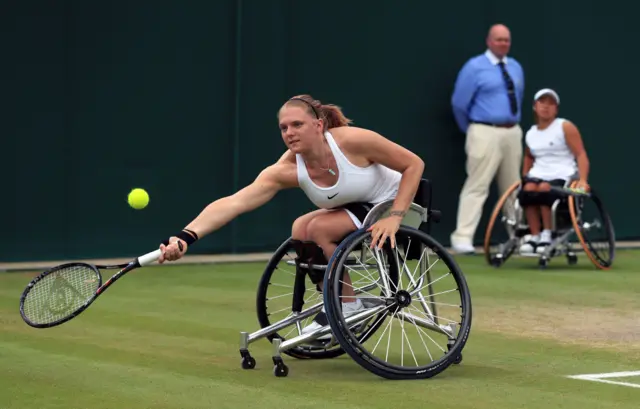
(508, 125)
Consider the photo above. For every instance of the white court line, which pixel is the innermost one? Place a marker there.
(601, 377)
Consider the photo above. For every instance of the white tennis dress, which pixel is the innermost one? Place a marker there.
(374, 184)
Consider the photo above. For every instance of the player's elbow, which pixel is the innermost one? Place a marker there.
(415, 165)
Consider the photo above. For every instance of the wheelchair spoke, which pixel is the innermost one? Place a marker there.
(404, 337)
(281, 285)
(422, 331)
(381, 336)
(429, 319)
(423, 342)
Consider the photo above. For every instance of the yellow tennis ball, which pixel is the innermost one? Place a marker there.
(138, 198)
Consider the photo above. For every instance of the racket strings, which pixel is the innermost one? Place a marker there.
(60, 293)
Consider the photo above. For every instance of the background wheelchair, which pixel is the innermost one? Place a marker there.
(417, 314)
(574, 213)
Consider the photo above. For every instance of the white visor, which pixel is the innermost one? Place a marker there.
(547, 91)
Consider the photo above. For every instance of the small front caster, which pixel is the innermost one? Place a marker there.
(248, 362)
(572, 259)
(497, 261)
(543, 262)
(457, 360)
(280, 370)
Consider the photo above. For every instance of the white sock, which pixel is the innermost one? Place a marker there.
(546, 235)
(355, 304)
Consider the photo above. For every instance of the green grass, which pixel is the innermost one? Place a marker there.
(167, 337)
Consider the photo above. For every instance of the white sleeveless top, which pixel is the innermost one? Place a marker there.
(373, 184)
(553, 158)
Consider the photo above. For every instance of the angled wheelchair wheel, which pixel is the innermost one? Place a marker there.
(423, 315)
(275, 302)
(503, 232)
(593, 227)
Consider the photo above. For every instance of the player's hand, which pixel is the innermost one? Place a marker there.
(173, 251)
(385, 229)
(582, 185)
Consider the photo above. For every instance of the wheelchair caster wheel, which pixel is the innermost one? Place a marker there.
(542, 263)
(280, 370)
(457, 360)
(572, 259)
(248, 362)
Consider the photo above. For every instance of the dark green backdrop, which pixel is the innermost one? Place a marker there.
(180, 97)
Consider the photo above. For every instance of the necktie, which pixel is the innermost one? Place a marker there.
(511, 89)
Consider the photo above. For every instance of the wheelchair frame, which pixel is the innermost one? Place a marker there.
(419, 217)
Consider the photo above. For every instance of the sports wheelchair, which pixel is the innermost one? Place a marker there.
(572, 212)
(396, 285)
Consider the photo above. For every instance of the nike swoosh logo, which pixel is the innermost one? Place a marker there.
(331, 197)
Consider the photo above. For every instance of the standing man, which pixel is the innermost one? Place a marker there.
(487, 102)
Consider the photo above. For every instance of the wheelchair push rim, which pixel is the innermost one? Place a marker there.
(403, 305)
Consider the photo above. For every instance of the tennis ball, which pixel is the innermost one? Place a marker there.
(138, 198)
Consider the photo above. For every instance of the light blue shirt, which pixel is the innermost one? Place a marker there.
(480, 92)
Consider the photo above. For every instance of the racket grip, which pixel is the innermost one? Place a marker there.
(149, 258)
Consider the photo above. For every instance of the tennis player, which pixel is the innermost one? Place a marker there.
(344, 170)
(554, 153)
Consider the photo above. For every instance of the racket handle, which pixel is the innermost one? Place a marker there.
(149, 258)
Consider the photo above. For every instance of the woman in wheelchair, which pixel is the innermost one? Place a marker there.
(342, 169)
(554, 153)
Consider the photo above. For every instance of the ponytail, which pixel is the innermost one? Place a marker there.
(330, 113)
(333, 116)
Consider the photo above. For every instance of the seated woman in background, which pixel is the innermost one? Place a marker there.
(554, 153)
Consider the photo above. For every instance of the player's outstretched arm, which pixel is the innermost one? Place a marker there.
(222, 211)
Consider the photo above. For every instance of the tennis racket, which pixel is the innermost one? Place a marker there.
(62, 292)
(570, 191)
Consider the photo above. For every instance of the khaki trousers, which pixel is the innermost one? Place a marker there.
(491, 152)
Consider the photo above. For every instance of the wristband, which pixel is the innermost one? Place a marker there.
(186, 237)
(192, 233)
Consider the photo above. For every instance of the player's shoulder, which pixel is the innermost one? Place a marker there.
(352, 136)
(351, 133)
(567, 125)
